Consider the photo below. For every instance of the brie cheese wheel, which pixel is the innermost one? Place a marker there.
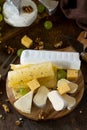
(57, 101)
(24, 103)
(16, 17)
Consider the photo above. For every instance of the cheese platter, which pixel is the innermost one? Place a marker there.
(47, 96)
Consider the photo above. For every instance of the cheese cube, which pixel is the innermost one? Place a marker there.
(33, 84)
(26, 41)
(63, 87)
(72, 74)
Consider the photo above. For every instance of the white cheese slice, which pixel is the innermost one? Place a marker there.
(24, 103)
(71, 101)
(67, 60)
(57, 101)
(41, 97)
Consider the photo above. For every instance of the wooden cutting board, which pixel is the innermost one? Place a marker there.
(48, 112)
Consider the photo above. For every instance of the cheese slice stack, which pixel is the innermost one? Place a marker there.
(26, 74)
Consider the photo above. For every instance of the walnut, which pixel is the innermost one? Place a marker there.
(18, 123)
(6, 108)
(58, 44)
(27, 9)
(42, 115)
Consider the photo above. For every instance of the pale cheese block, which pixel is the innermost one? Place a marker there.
(24, 104)
(26, 74)
(40, 97)
(71, 101)
(66, 60)
(56, 100)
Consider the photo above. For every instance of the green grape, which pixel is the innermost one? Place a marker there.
(61, 74)
(1, 17)
(41, 8)
(23, 91)
(48, 25)
(19, 52)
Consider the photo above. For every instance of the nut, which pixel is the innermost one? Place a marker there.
(18, 123)
(59, 44)
(6, 108)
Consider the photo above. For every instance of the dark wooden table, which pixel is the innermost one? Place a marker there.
(76, 120)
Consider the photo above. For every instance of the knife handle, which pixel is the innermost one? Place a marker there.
(84, 56)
